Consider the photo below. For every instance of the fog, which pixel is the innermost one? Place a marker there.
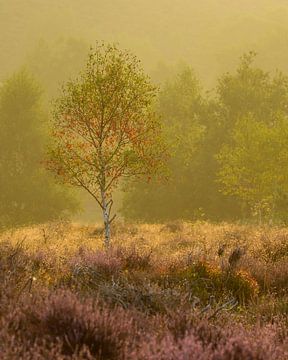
(210, 35)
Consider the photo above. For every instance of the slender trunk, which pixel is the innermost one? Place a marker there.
(260, 216)
(106, 219)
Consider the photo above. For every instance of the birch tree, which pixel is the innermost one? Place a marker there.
(105, 129)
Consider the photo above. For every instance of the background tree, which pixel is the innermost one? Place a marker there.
(54, 62)
(104, 127)
(198, 125)
(252, 106)
(249, 92)
(181, 106)
(254, 166)
(28, 192)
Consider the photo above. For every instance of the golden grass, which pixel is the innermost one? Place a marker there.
(200, 239)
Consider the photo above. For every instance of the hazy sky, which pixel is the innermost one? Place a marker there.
(208, 34)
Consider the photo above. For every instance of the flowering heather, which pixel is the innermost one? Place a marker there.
(151, 296)
(73, 324)
(107, 263)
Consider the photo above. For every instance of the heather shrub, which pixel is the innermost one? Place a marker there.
(48, 269)
(88, 269)
(269, 307)
(147, 297)
(242, 285)
(277, 276)
(43, 259)
(180, 323)
(14, 348)
(204, 341)
(271, 277)
(15, 271)
(204, 280)
(11, 348)
(107, 263)
(77, 324)
(91, 269)
(256, 344)
(134, 259)
(200, 279)
(169, 349)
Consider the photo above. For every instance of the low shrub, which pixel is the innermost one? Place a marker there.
(106, 263)
(169, 349)
(204, 341)
(134, 259)
(203, 279)
(77, 324)
(268, 308)
(241, 345)
(88, 269)
(15, 272)
(147, 298)
(271, 277)
(242, 285)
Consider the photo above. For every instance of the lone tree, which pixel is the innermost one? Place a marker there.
(105, 129)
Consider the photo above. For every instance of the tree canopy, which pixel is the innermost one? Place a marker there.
(229, 148)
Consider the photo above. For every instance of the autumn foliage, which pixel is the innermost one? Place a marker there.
(105, 128)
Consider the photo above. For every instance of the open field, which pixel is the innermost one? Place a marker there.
(172, 291)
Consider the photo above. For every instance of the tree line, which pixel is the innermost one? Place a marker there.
(229, 149)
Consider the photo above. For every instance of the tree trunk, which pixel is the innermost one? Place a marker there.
(106, 220)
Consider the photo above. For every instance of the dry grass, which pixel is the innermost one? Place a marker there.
(198, 239)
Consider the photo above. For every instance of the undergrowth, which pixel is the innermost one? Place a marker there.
(220, 294)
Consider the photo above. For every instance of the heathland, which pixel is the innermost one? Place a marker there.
(178, 290)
